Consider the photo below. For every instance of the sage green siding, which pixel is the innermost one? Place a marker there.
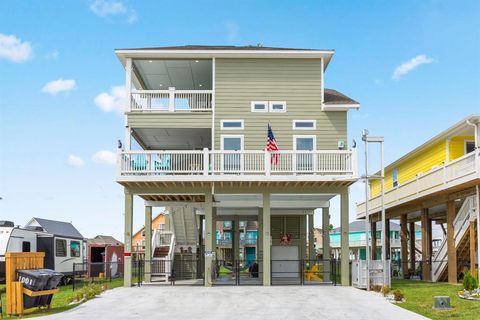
(169, 120)
(296, 81)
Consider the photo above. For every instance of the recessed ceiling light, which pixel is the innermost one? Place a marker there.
(160, 85)
(150, 61)
(196, 60)
(200, 85)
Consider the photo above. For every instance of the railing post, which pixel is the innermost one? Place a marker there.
(353, 164)
(206, 162)
(444, 174)
(267, 162)
(171, 99)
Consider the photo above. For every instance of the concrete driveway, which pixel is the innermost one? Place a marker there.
(286, 302)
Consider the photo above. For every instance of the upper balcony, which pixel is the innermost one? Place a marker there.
(170, 85)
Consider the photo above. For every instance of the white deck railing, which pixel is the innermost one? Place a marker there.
(452, 173)
(245, 162)
(171, 100)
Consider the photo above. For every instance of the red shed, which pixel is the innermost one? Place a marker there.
(105, 255)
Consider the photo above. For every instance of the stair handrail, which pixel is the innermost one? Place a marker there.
(461, 220)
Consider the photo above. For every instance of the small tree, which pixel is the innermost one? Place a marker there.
(469, 282)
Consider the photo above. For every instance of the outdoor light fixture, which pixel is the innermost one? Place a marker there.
(150, 61)
(200, 85)
(196, 60)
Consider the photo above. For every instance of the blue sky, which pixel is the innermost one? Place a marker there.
(56, 58)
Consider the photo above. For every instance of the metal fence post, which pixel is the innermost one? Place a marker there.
(73, 278)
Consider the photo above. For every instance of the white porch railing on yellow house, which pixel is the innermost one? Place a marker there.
(450, 174)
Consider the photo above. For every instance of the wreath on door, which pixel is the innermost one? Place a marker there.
(285, 239)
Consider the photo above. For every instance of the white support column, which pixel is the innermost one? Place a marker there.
(326, 242)
(171, 99)
(213, 101)
(127, 279)
(345, 249)
(267, 239)
(128, 83)
(322, 88)
(208, 239)
(148, 244)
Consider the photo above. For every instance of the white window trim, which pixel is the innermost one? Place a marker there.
(314, 137)
(232, 136)
(222, 122)
(294, 123)
(283, 103)
(465, 145)
(253, 103)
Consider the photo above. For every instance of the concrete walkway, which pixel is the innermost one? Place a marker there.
(286, 302)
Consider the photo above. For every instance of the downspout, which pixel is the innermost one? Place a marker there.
(477, 189)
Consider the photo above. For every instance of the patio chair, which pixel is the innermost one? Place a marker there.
(139, 162)
(163, 163)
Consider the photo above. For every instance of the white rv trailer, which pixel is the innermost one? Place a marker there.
(62, 243)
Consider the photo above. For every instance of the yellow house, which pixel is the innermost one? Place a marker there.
(437, 182)
(138, 238)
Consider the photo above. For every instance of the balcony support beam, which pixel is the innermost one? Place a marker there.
(148, 244)
(267, 239)
(345, 250)
(403, 245)
(326, 242)
(311, 239)
(373, 231)
(426, 245)
(412, 247)
(128, 225)
(209, 239)
(451, 248)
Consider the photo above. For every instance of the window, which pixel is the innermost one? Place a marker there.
(304, 124)
(231, 124)
(259, 106)
(74, 249)
(60, 248)
(26, 246)
(469, 146)
(278, 106)
(395, 177)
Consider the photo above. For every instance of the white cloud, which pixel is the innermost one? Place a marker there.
(233, 30)
(56, 86)
(105, 157)
(115, 100)
(13, 49)
(52, 55)
(104, 8)
(75, 161)
(411, 64)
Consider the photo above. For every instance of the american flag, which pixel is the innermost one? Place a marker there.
(272, 146)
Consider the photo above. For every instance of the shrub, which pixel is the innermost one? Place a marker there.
(377, 288)
(88, 292)
(398, 295)
(469, 282)
(385, 290)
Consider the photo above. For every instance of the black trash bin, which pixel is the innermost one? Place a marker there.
(52, 283)
(35, 280)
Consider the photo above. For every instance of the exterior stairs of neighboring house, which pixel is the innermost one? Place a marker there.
(461, 227)
(163, 251)
(185, 227)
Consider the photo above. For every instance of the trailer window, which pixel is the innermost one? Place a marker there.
(25, 246)
(60, 248)
(74, 249)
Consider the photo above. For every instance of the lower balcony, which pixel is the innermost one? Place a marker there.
(245, 165)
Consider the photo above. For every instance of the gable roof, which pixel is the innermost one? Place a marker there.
(153, 220)
(59, 228)
(105, 240)
(334, 97)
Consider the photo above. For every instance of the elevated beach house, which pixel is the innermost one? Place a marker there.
(225, 133)
(435, 183)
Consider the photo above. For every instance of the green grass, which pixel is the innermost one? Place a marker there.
(419, 298)
(60, 301)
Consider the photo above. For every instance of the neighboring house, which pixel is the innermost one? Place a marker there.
(138, 239)
(357, 241)
(196, 137)
(437, 182)
(105, 255)
(318, 242)
(245, 249)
